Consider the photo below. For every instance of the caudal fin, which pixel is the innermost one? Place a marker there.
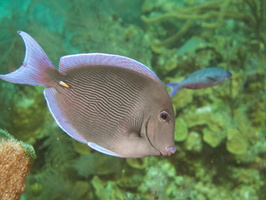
(175, 87)
(36, 67)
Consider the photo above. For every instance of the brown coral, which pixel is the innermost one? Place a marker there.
(14, 168)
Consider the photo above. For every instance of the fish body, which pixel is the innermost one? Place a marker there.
(203, 78)
(112, 103)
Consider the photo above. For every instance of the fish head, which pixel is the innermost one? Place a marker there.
(214, 76)
(161, 124)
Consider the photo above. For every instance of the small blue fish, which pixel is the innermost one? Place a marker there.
(199, 79)
(112, 103)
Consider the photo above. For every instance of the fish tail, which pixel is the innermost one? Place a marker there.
(37, 68)
(175, 87)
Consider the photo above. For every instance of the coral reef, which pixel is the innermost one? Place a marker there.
(206, 13)
(220, 131)
(16, 158)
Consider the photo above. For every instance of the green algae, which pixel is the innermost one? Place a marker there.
(181, 130)
(193, 142)
(236, 144)
(106, 189)
(140, 163)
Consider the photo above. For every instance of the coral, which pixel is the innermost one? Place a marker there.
(220, 131)
(81, 148)
(54, 183)
(95, 164)
(58, 151)
(235, 143)
(257, 18)
(181, 130)
(16, 159)
(106, 190)
(210, 123)
(161, 180)
(7, 94)
(208, 12)
(137, 163)
(157, 178)
(82, 187)
(182, 100)
(193, 14)
(26, 117)
(193, 142)
(55, 160)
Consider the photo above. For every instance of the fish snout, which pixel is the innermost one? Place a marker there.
(169, 151)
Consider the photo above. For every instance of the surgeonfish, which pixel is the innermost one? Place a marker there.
(112, 103)
(203, 78)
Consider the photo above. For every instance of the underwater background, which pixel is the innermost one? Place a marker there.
(220, 131)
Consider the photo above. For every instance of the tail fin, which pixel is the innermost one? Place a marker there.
(175, 87)
(36, 66)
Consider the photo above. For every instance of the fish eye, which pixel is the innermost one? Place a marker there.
(164, 116)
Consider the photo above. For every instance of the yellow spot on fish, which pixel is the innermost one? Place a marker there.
(64, 84)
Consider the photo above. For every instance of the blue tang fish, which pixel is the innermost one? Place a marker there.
(114, 104)
(203, 78)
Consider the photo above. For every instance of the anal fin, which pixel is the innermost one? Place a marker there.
(102, 149)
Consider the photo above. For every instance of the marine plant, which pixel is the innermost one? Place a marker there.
(55, 159)
(222, 151)
(209, 15)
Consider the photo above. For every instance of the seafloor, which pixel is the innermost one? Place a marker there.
(220, 131)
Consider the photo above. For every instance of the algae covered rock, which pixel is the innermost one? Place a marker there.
(139, 163)
(181, 130)
(81, 189)
(26, 116)
(210, 123)
(157, 179)
(213, 138)
(106, 190)
(236, 143)
(193, 142)
(96, 164)
(16, 158)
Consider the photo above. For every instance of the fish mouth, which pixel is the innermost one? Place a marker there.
(168, 151)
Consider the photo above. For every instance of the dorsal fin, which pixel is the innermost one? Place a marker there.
(100, 59)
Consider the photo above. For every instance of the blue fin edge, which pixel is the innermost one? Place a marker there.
(102, 59)
(102, 149)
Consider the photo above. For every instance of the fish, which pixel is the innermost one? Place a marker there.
(202, 78)
(114, 104)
